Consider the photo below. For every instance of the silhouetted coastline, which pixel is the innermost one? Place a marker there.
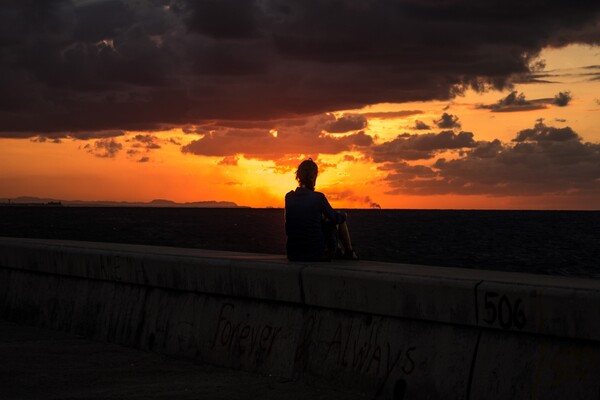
(160, 203)
(543, 242)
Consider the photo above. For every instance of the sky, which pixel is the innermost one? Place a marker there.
(456, 104)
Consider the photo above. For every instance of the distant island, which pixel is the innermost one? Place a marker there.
(36, 201)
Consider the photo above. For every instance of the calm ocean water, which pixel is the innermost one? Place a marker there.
(543, 242)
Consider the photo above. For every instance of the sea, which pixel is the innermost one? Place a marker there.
(565, 243)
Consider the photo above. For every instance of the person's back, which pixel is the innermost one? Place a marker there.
(311, 224)
(304, 210)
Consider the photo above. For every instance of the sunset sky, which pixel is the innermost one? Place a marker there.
(403, 104)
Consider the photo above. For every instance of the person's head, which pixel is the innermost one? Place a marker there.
(307, 172)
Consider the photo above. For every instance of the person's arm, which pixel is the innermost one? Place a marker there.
(330, 213)
(285, 213)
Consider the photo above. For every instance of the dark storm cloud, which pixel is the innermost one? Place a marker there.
(224, 19)
(588, 34)
(516, 101)
(541, 160)
(110, 65)
(419, 147)
(447, 121)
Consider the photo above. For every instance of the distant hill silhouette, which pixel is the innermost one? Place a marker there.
(28, 200)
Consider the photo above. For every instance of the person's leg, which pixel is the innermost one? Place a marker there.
(330, 232)
(344, 235)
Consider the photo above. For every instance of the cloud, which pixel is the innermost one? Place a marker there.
(280, 141)
(144, 160)
(391, 114)
(516, 101)
(349, 195)
(229, 160)
(543, 160)
(594, 75)
(104, 148)
(87, 66)
(588, 73)
(447, 121)
(535, 78)
(260, 124)
(542, 133)
(224, 19)
(148, 142)
(78, 135)
(43, 139)
(347, 123)
(420, 125)
(403, 172)
(87, 135)
(487, 149)
(562, 98)
(146, 139)
(419, 147)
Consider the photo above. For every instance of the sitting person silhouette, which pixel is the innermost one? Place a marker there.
(313, 228)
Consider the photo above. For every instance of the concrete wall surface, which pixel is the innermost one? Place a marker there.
(390, 331)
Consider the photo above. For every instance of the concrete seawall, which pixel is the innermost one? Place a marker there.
(390, 331)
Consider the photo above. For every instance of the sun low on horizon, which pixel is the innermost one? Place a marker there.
(402, 105)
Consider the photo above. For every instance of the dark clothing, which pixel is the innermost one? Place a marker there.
(310, 226)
